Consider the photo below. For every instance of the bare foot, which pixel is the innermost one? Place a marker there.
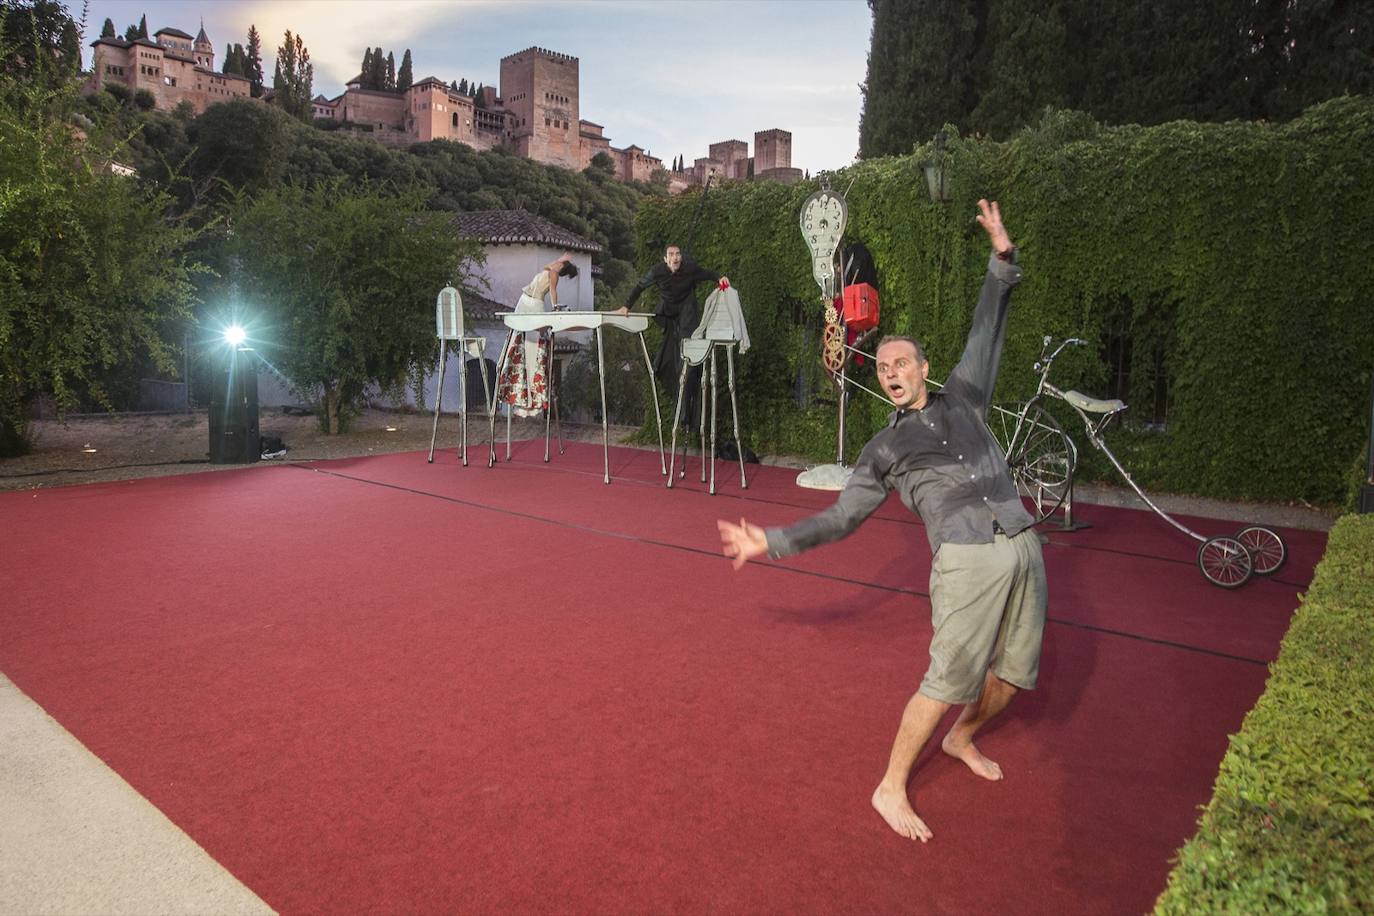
(897, 811)
(969, 753)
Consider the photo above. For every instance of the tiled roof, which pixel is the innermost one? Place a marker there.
(518, 227)
(479, 308)
(175, 33)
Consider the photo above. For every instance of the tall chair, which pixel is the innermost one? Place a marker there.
(449, 322)
(722, 328)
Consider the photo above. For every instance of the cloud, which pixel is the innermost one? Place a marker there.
(338, 34)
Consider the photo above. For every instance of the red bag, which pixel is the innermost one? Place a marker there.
(860, 307)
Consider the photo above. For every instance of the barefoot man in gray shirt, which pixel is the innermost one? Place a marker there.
(987, 578)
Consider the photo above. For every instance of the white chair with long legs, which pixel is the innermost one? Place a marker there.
(449, 322)
(722, 328)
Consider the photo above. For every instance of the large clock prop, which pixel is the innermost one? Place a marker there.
(823, 218)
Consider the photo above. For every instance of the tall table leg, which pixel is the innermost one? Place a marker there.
(677, 412)
(549, 397)
(438, 400)
(500, 367)
(653, 396)
(605, 429)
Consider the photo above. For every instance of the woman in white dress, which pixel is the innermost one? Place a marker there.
(523, 384)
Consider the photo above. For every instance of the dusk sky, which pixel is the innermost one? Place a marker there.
(671, 76)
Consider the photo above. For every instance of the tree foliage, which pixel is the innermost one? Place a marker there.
(345, 280)
(34, 29)
(1234, 250)
(293, 78)
(992, 66)
(252, 66)
(406, 77)
(94, 278)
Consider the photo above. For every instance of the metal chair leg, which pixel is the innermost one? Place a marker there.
(701, 399)
(438, 400)
(734, 411)
(713, 420)
(463, 402)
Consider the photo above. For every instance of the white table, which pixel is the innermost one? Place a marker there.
(557, 322)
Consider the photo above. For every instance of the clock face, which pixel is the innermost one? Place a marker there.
(822, 223)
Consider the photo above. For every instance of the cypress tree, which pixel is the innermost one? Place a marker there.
(406, 76)
(390, 72)
(463, 86)
(920, 71)
(291, 83)
(108, 29)
(366, 71)
(143, 26)
(378, 78)
(252, 63)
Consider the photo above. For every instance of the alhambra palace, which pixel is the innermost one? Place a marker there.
(536, 113)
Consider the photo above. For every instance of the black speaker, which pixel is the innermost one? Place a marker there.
(234, 410)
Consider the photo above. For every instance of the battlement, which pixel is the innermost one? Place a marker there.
(544, 53)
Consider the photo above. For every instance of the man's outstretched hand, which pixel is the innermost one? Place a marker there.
(742, 542)
(990, 218)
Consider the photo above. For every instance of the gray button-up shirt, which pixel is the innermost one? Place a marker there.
(941, 459)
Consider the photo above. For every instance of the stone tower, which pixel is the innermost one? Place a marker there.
(772, 150)
(539, 93)
(205, 51)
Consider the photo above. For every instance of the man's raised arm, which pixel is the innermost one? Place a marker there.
(976, 374)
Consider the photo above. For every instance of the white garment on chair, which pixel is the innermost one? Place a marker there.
(722, 319)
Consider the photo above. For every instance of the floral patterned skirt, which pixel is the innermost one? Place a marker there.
(524, 384)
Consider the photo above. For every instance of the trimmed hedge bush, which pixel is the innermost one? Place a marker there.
(1290, 827)
(1232, 256)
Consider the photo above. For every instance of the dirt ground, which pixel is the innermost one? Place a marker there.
(89, 448)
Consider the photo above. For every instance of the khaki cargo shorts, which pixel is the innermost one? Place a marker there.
(988, 610)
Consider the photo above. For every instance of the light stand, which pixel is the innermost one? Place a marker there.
(234, 437)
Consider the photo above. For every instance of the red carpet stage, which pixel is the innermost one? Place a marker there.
(381, 685)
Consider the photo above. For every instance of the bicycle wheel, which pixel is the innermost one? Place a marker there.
(1267, 550)
(1039, 455)
(1225, 562)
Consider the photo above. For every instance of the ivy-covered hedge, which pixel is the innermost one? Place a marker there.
(1290, 827)
(1238, 253)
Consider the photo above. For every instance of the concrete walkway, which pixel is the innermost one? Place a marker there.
(75, 838)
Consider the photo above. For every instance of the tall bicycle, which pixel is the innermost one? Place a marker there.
(1042, 459)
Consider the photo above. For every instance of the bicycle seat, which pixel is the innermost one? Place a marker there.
(1093, 405)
